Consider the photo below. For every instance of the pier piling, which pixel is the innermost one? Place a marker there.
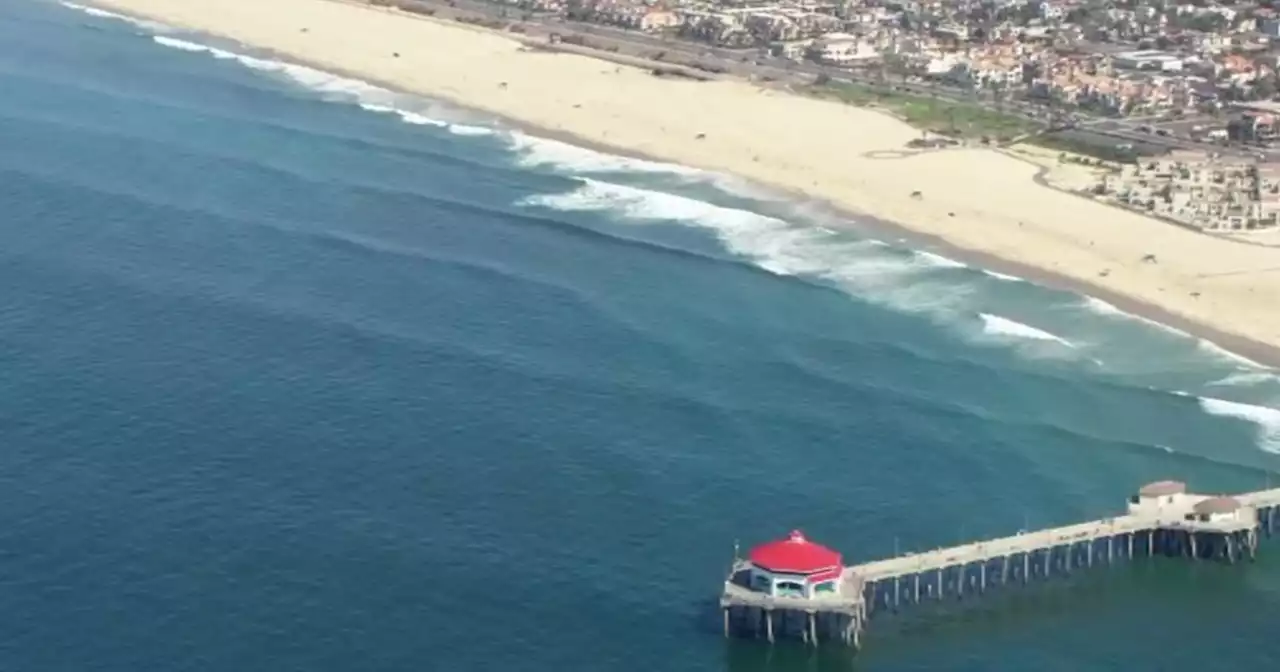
(1171, 522)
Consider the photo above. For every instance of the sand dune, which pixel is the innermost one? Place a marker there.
(975, 199)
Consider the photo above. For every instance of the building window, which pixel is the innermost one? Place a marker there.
(789, 588)
(828, 587)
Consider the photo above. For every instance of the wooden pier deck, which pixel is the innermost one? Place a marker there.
(1162, 519)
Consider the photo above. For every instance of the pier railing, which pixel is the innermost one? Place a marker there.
(1182, 528)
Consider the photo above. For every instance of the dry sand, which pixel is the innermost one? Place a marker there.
(976, 200)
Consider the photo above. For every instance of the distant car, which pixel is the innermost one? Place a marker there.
(1162, 132)
(1144, 129)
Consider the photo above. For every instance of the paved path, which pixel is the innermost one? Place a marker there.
(1039, 540)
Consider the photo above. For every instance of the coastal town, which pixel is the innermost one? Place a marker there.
(1176, 96)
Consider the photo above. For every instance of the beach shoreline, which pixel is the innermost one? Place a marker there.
(1238, 341)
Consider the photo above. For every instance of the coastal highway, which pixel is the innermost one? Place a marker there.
(747, 63)
(757, 64)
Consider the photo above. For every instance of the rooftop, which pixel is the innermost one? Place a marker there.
(794, 555)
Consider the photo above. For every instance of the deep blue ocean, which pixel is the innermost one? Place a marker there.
(304, 374)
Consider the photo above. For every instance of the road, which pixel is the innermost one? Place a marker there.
(748, 63)
(758, 65)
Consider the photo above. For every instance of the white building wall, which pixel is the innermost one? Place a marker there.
(759, 576)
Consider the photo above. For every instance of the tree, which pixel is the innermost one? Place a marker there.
(1264, 88)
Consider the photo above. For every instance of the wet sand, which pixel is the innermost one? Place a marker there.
(977, 205)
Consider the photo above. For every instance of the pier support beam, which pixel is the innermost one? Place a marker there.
(768, 624)
(813, 629)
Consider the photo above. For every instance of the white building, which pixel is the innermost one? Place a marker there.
(795, 567)
(1162, 496)
(1148, 59)
(1217, 510)
(843, 48)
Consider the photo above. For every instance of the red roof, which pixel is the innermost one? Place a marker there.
(794, 555)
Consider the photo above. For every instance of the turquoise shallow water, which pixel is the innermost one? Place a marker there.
(303, 374)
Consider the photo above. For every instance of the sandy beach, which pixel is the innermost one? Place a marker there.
(975, 200)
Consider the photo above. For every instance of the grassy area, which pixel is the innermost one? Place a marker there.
(950, 117)
(1109, 151)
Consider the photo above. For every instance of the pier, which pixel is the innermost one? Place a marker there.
(796, 588)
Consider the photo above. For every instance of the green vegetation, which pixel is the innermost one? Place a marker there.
(962, 119)
(1117, 153)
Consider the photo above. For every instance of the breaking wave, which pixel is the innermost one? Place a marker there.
(1004, 327)
(1247, 379)
(939, 260)
(912, 281)
(1002, 276)
(154, 26)
(1219, 351)
(864, 268)
(368, 96)
(1267, 419)
(464, 129)
(537, 152)
(1100, 307)
(353, 90)
(405, 115)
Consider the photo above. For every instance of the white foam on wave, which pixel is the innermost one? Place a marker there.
(368, 96)
(465, 129)
(1096, 305)
(1100, 307)
(154, 26)
(1002, 326)
(1267, 419)
(1002, 276)
(1247, 379)
(353, 90)
(406, 116)
(865, 268)
(1219, 351)
(537, 152)
(939, 260)
(577, 161)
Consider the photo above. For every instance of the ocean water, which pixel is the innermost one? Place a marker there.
(304, 374)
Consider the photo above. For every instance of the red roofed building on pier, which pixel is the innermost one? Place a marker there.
(794, 567)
